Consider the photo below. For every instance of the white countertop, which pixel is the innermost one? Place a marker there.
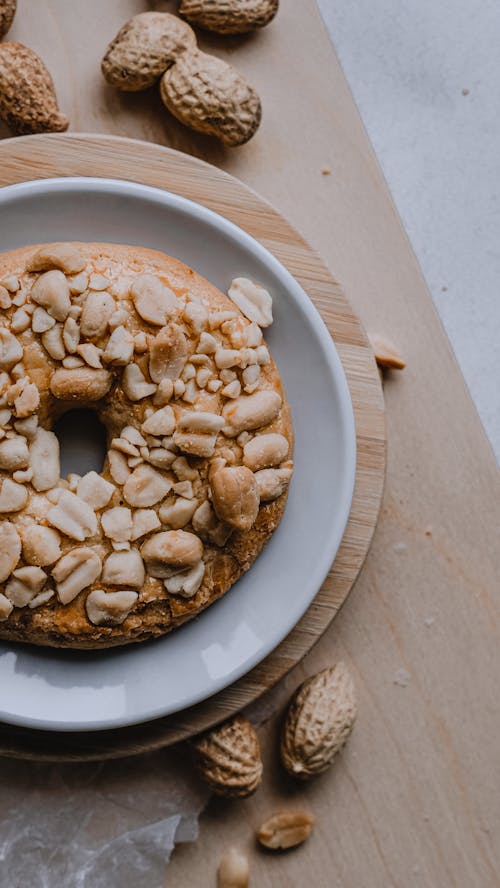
(426, 79)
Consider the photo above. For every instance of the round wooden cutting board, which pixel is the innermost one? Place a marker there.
(36, 157)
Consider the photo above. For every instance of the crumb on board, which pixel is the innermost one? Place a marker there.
(402, 678)
(326, 171)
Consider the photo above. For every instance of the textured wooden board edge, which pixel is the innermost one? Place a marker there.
(34, 157)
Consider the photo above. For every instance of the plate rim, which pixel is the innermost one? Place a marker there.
(346, 420)
(56, 155)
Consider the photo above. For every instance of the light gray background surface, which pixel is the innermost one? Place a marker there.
(426, 78)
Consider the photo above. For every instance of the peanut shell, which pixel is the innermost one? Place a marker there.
(7, 13)
(28, 101)
(144, 48)
(318, 722)
(212, 97)
(229, 16)
(228, 758)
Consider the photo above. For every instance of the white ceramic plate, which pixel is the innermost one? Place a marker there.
(70, 690)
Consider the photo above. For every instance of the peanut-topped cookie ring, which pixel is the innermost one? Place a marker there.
(199, 442)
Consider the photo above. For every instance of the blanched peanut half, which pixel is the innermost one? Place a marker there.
(118, 466)
(194, 444)
(161, 423)
(145, 487)
(186, 582)
(81, 384)
(271, 483)
(27, 427)
(10, 549)
(27, 401)
(117, 524)
(71, 335)
(73, 516)
(76, 571)
(41, 598)
(44, 459)
(196, 315)
(153, 301)
(143, 522)
(13, 496)
(90, 354)
(97, 311)
(119, 350)
(41, 545)
(95, 490)
(78, 283)
(51, 291)
(62, 256)
(172, 548)
(24, 584)
(167, 353)
(253, 300)
(265, 451)
(11, 350)
(109, 607)
(122, 568)
(252, 411)
(178, 513)
(41, 321)
(14, 454)
(200, 421)
(235, 497)
(135, 384)
(6, 607)
(52, 342)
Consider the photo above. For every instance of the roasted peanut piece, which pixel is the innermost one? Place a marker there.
(51, 291)
(386, 353)
(234, 870)
(24, 584)
(10, 549)
(96, 313)
(145, 487)
(285, 830)
(72, 516)
(76, 571)
(253, 300)
(122, 568)
(252, 411)
(41, 545)
(153, 301)
(168, 354)
(171, 548)
(235, 496)
(63, 256)
(44, 459)
(81, 384)
(109, 607)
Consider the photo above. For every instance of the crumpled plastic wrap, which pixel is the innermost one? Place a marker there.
(96, 825)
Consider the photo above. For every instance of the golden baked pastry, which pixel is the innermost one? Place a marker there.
(199, 442)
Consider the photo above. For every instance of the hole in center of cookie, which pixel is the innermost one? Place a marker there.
(82, 439)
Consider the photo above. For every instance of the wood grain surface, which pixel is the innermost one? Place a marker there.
(117, 157)
(414, 799)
